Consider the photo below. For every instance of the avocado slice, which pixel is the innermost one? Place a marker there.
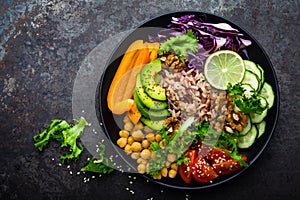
(147, 100)
(151, 114)
(149, 80)
(155, 125)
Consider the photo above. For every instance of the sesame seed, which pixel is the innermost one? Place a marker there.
(71, 172)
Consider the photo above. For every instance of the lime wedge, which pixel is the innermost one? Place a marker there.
(223, 67)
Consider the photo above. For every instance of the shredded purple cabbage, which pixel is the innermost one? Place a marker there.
(211, 36)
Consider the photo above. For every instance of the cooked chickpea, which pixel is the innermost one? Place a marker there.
(158, 176)
(127, 148)
(137, 135)
(145, 144)
(171, 157)
(146, 154)
(122, 142)
(164, 172)
(135, 155)
(167, 164)
(172, 173)
(150, 137)
(161, 145)
(147, 129)
(136, 147)
(128, 126)
(174, 166)
(123, 133)
(153, 156)
(138, 126)
(130, 140)
(141, 168)
(126, 119)
(158, 137)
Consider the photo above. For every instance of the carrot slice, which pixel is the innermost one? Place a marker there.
(123, 106)
(142, 59)
(125, 65)
(134, 114)
(153, 48)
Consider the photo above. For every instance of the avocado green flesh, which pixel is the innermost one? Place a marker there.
(146, 100)
(150, 78)
(149, 72)
(156, 92)
(151, 114)
(155, 125)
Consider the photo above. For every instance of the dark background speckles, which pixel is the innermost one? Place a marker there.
(42, 44)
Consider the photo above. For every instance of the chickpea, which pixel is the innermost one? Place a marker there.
(158, 176)
(147, 129)
(126, 119)
(158, 137)
(135, 155)
(150, 137)
(141, 168)
(123, 133)
(127, 148)
(146, 154)
(161, 145)
(167, 164)
(138, 126)
(128, 126)
(145, 144)
(172, 173)
(138, 135)
(141, 160)
(122, 142)
(130, 140)
(171, 157)
(174, 166)
(153, 156)
(164, 172)
(136, 147)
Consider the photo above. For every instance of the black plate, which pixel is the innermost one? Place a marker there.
(110, 122)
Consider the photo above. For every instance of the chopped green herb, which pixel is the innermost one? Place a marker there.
(246, 104)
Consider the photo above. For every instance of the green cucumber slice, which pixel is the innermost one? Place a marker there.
(268, 93)
(251, 66)
(247, 128)
(261, 127)
(256, 118)
(247, 140)
(251, 79)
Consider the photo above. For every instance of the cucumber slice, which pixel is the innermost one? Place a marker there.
(262, 79)
(268, 93)
(251, 66)
(261, 127)
(256, 118)
(247, 128)
(251, 79)
(247, 140)
(249, 91)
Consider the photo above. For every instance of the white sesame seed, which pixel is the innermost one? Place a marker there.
(71, 172)
(59, 164)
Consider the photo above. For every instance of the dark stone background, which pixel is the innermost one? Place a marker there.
(42, 44)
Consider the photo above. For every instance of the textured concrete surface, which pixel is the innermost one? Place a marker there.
(42, 45)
